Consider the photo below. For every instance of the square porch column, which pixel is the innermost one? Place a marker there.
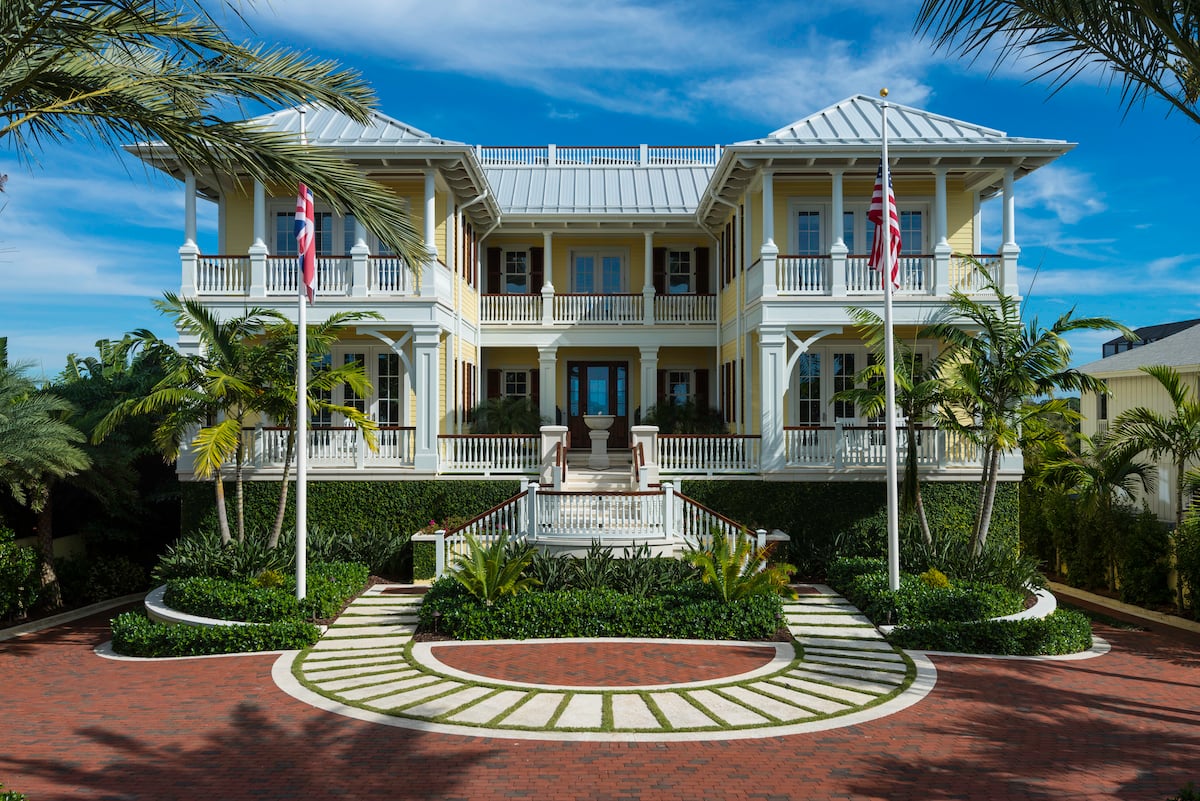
(940, 283)
(648, 280)
(547, 283)
(547, 382)
(838, 251)
(359, 262)
(429, 272)
(1009, 250)
(772, 344)
(649, 354)
(427, 376)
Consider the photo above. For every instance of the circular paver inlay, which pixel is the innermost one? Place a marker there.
(603, 663)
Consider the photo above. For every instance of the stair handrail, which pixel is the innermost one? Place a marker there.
(450, 541)
(703, 539)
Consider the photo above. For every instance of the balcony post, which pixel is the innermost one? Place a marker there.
(426, 367)
(360, 450)
(189, 260)
(649, 354)
(770, 251)
(531, 511)
(439, 553)
(669, 521)
(547, 382)
(648, 280)
(359, 262)
(189, 208)
(838, 251)
(547, 281)
(429, 269)
(772, 345)
(1009, 250)
(940, 283)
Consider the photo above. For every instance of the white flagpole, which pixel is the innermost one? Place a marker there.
(889, 366)
(301, 418)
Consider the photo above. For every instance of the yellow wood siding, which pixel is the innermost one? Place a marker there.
(960, 219)
(239, 225)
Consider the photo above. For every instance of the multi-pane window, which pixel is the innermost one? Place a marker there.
(808, 233)
(679, 272)
(285, 233)
(322, 416)
(348, 237)
(679, 386)
(1102, 406)
(912, 232)
(349, 396)
(597, 273)
(808, 389)
(516, 383)
(848, 231)
(843, 379)
(516, 272)
(388, 389)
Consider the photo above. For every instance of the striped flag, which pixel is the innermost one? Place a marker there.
(306, 239)
(876, 214)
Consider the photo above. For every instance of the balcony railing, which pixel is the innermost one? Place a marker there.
(866, 446)
(511, 308)
(913, 274)
(685, 309)
(603, 156)
(969, 274)
(701, 454)
(598, 309)
(842, 275)
(278, 276)
(223, 275)
(333, 275)
(331, 446)
(490, 453)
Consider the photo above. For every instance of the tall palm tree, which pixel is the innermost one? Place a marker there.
(920, 392)
(1001, 373)
(38, 446)
(1152, 46)
(117, 72)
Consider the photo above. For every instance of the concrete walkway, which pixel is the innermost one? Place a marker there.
(843, 673)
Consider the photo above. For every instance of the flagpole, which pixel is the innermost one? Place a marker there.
(889, 366)
(301, 416)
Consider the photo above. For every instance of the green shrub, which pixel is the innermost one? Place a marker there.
(681, 611)
(231, 599)
(1186, 793)
(331, 585)
(424, 557)
(90, 579)
(1063, 632)
(635, 572)
(918, 602)
(490, 572)
(935, 578)
(136, 635)
(1143, 557)
(381, 550)
(1188, 562)
(19, 580)
(843, 571)
(737, 568)
(11, 795)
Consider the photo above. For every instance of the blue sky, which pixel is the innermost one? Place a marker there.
(89, 237)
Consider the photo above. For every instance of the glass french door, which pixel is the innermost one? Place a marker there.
(598, 388)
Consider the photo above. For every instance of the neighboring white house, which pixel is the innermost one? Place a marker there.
(606, 280)
(1129, 387)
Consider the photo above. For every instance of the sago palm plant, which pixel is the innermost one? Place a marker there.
(737, 568)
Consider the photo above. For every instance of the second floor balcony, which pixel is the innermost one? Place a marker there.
(843, 275)
(598, 309)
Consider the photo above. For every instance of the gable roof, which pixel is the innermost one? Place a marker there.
(1180, 350)
(325, 126)
(581, 191)
(1151, 333)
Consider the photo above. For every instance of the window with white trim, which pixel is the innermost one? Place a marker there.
(515, 383)
(679, 387)
(680, 275)
(597, 272)
(514, 277)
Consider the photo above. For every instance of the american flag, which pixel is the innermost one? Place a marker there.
(875, 215)
(306, 239)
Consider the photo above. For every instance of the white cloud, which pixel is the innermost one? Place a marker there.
(1171, 276)
(1069, 194)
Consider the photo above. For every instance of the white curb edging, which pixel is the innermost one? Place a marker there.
(159, 612)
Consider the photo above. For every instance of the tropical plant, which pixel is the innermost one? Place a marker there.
(1150, 45)
(737, 568)
(120, 71)
(1002, 372)
(38, 446)
(507, 414)
(684, 418)
(491, 571)
(920, 392)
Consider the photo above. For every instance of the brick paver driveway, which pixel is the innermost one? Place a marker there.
(1121, 726)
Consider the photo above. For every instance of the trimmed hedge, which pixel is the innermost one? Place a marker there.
(330, 585)
(350, 505)
(136, 635)
(831, 519)
(424, 560)
(19, 579)
(918, 602)
(676, 613)
(1063, 632)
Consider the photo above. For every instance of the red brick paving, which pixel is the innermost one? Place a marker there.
(1123, 726)
(599, 663)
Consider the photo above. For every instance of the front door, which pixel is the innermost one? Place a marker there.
(598, 388)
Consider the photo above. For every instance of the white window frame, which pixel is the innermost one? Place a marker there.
(600, 254)
(691, 271)
(513, 251)
(505, 374)
(863, 229)
(371, 354)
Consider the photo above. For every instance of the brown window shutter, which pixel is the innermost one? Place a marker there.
(662, 386)
(537, 270)
(659, 257)
(493, 384)
(701, 271)
(493, 271)
(535, 380)
(700, 390)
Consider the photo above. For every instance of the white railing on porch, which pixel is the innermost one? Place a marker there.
(222, 275)
(333, 275)
(914, 272)
(866, 446)
(708, 454)
(803, 275)
(685, 308)
(490, 453)
(389, 275)
(969, 274)
(510, 308)
(331, 446)
(598, 308)
(599, 516)
(597, 156)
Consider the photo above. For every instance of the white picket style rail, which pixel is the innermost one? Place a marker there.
(490, 453)
(709, 454)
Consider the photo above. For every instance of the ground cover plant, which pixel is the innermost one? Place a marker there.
(602, 595)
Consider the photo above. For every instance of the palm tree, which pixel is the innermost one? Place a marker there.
(509, 414)
(215, 390)
(122, 71)
(1002, 372)
(920, 392)
(1151, 45)
(1175, 435)
(279, 400)
(38, 446)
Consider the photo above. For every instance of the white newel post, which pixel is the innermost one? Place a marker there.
(547, 289)
(770, 251)
(552, 437)
(649, 354)
(189, 252)
(259, 250)
(772, 362)
(439, 553)
(1009, 250)
(425, 364)
(648, 280)
(838, 251)
(647, 437)
(940, 285)
(359, 262)
(670, 529)
(531, 512)
(547, 381)
(429, 271)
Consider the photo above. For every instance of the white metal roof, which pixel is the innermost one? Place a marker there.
(1180, 350)
(556, 190)
(324, 126)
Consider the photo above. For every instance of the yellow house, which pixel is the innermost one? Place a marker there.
(605, 281)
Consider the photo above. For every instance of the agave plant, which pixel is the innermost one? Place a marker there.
(738, 568)
(491, 571)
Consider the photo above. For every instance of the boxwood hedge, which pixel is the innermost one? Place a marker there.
(1063, 632)
(136, 635)
(330, 585)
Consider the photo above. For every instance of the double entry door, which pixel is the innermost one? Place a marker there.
(598, 388)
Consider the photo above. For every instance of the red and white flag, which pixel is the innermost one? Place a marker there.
(876, 215)
(306, 240)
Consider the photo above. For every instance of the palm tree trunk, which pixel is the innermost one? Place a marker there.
(1180, 507)
(277, 529)
(51, 592)
(912, 483)
(222, 514)
(987, 502)
(238, 489)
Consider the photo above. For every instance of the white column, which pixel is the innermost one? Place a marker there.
(427, 379)
(360, 262)
(189, 252)
(1009, 250)
(648, 280)
(772, 344)
(189, 208)
(770, 252)
(548, 278)
(259, 250)
(260, 213)
(838, 251)
(768, 207)
(428, 286)
(940, 283)
(547, 383)
(649, 354)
